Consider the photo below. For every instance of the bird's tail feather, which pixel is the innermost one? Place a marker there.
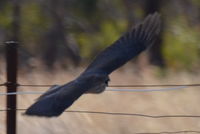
(55, 102)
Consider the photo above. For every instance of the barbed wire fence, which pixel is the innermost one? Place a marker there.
(12, 92)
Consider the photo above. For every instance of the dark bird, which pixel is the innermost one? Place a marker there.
(96, 76)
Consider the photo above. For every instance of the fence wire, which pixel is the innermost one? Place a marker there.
(118, 114)
(107, 89)
(3, 84)
(132, 114)
(135, 85)
(128, 85)
(175, 87)
(175, 132)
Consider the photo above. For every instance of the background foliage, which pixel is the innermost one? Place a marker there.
(68, 32)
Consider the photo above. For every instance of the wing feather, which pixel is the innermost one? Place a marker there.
(127, 47)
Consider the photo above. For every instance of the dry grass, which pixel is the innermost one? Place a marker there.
(156, 103)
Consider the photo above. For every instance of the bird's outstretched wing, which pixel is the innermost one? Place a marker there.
(127, 47)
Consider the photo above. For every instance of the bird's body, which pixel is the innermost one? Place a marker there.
(96, 76)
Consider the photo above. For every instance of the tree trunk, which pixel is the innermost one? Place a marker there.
(155, 53)
(15, 35)
(57, 46)
(129, 12)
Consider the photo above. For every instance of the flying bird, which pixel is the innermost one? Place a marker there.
(96, 76)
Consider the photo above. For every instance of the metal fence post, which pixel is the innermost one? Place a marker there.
(11, 68)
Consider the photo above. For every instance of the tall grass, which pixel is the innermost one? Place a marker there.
(154, 103)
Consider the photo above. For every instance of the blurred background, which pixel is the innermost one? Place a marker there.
(71, 32)
(58, 39)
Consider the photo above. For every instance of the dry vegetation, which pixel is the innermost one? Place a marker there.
(155, 103)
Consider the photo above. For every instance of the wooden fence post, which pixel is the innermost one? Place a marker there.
(11, 68)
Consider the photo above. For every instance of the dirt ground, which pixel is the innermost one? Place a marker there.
(183, 102)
